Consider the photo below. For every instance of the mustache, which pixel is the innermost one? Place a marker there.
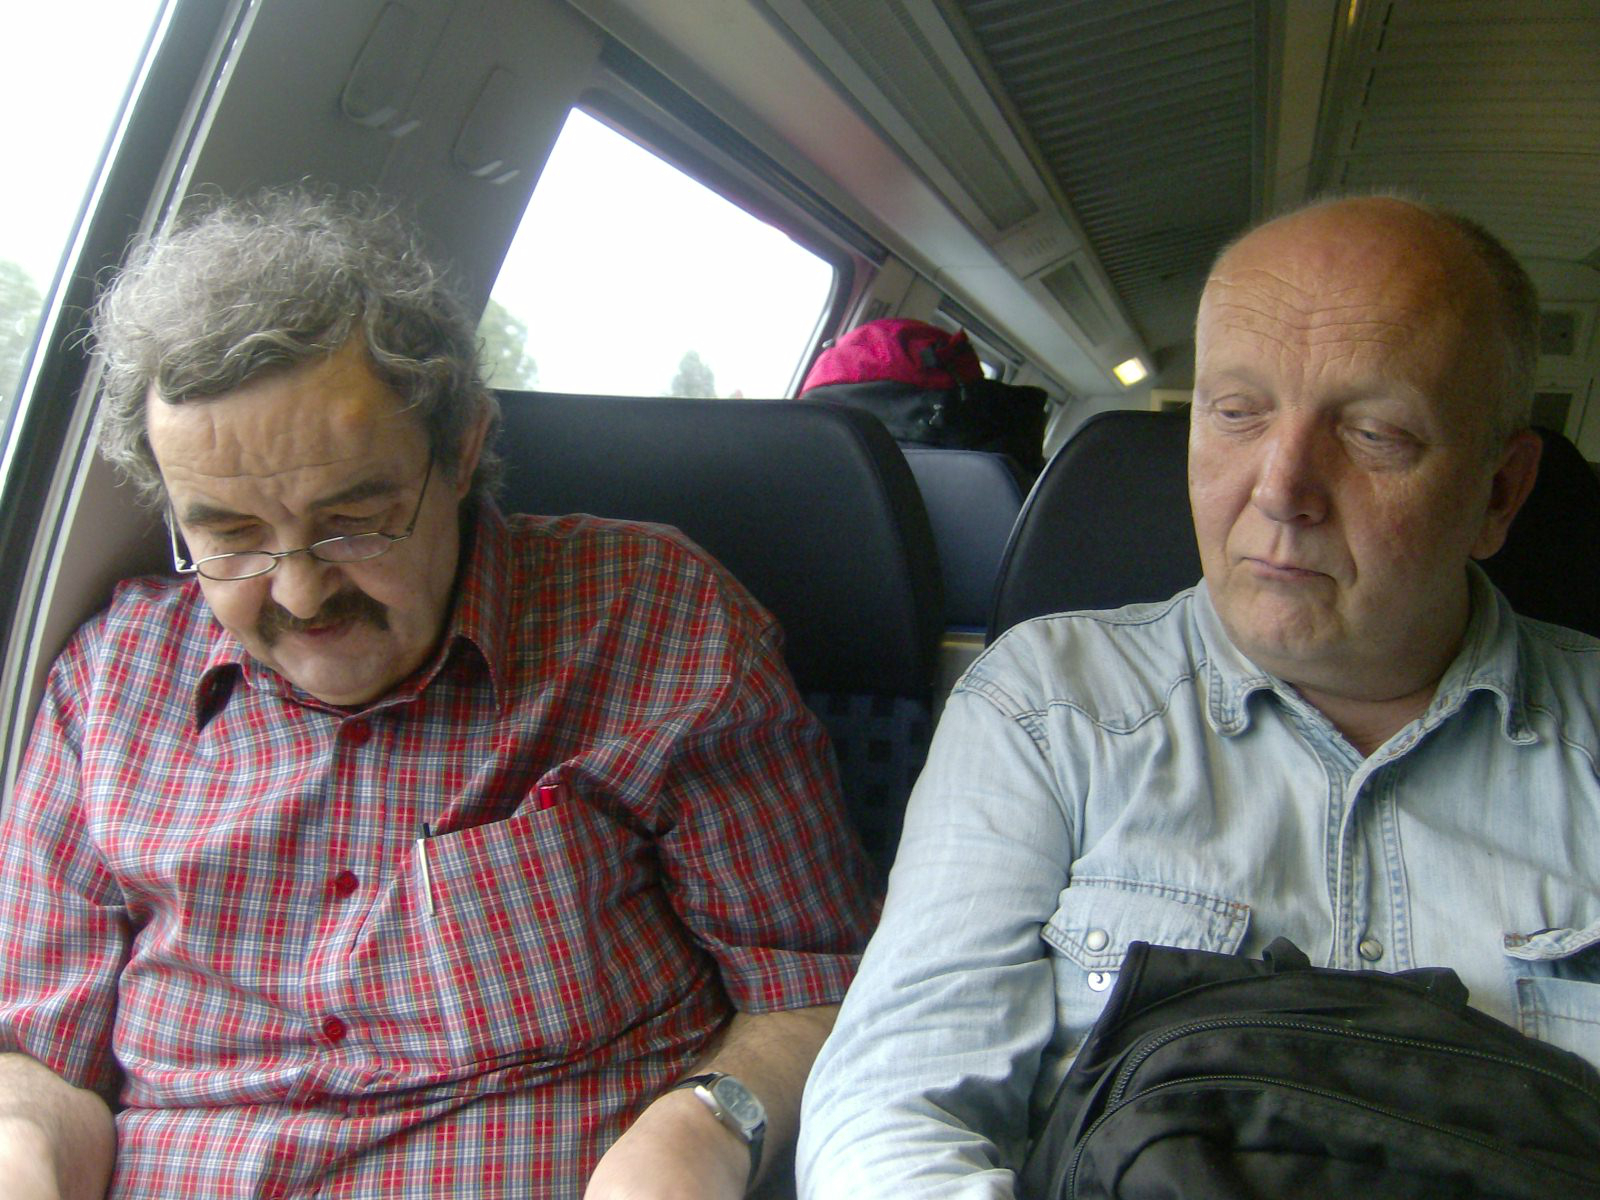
(352, 605)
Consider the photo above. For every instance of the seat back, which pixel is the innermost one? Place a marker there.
(813, 508)
(973, 498)
(1549, 567)
(1108, 523)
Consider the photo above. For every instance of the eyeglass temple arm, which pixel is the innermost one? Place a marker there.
(179, 563)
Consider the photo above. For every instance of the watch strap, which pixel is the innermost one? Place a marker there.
(752, 1136)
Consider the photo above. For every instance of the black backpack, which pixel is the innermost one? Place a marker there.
(1001, 418)
(1216, 1077)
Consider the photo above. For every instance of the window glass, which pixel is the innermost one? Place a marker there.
(67, 69)
(629, 277)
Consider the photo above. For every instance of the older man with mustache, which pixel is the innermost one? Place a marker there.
(403, 848)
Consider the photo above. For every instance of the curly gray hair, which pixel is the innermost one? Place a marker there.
(246, 287)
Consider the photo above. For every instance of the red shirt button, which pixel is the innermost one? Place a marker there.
(345, 883)
(358, 733)
(334, 1029)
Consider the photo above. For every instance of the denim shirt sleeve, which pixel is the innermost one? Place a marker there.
(924, 1088)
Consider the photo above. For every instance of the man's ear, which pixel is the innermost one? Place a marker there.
(471, 452)
(1513, 480)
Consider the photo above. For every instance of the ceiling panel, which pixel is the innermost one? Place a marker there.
(1148, 115)
(1492, 109)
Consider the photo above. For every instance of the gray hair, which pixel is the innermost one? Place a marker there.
(1515, 302)
(244, 288)
(1516, 309)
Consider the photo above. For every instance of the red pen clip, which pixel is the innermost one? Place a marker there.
(549, 795)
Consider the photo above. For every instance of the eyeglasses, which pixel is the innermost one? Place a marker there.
(247, 564)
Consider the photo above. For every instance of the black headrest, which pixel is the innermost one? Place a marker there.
(811, 506)
(973, 498)
(1108, 524)
(1549, 567)
(984, 414)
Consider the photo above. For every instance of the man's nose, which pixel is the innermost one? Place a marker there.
(1292, 483)
(301, 583)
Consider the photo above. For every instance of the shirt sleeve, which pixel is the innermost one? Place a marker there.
(63, 923)
(924, 1088)
(760, 860)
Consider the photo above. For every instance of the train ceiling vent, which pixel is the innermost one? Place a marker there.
(915, 70)
(903, 66)
(1069, 287)
(1150, 120)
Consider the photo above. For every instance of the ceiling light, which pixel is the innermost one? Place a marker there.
(1129, 372)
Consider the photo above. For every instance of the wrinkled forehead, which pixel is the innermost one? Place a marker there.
(1329, 270)
(1394, 295)
(333, 414)
(1275, 301)
(1317, 277)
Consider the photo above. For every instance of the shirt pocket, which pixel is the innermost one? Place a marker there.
(532, 939)
(1095, 920)
(1556, 979)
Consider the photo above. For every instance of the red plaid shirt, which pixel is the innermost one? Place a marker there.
(213, 906)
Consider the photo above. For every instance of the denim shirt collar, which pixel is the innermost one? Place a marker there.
(1487, 662)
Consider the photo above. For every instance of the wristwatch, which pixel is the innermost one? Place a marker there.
(735, 1106)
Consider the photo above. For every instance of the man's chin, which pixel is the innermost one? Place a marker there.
(1284, 639)
(345, 680)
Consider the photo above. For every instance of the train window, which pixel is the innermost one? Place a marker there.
(630, 277)
(79, 63)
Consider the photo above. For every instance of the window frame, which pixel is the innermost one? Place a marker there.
(46, 443)
(639, 103)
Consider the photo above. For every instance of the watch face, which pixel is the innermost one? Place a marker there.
(739, 1104)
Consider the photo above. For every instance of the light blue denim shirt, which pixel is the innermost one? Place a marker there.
(1100, 778)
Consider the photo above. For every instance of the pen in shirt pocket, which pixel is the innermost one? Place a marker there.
(422, 866)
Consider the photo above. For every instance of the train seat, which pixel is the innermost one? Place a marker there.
(973, 498)
(1108, 524)
(1549, 567)
(813, 508)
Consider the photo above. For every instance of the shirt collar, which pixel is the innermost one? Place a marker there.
(1487, 662)
(484, 593)
(477, 621)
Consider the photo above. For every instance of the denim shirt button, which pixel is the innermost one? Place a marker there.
(1097, 939)
(1370, 949)
(1099, 981)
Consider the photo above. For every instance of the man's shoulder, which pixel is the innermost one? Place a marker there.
(1560, 667)
(151, 625)
(578, 553)
(1109, 663)
(583, 533)
(153, 606)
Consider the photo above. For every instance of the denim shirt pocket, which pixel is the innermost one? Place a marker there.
(1096, 918)
(1556, 979)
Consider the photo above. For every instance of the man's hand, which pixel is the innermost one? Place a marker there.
(676, 1150)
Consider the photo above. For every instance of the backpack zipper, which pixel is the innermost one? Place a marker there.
(1150, 1046)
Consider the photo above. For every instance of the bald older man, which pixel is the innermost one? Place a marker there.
(1342, 735)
